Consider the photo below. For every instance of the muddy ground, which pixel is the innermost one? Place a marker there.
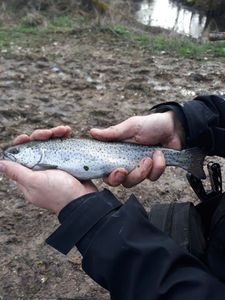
(84, 79)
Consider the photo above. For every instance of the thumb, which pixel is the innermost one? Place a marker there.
(122, 131)
(16, 172)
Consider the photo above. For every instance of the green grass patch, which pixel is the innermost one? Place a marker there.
(36, 31)
(29, 33)
(64, 22)
(21, 36)
(178, 45)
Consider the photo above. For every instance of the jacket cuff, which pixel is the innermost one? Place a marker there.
(79, 217)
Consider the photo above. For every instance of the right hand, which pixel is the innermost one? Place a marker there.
(158, 128)
(49, 189)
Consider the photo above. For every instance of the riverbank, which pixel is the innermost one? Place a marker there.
(34, 30)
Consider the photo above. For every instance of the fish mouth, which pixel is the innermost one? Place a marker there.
(2, 155)
(8, 156)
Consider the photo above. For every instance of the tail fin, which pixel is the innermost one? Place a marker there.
(194, 158)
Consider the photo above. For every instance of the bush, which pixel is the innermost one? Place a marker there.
(32, 20)
(215, 6)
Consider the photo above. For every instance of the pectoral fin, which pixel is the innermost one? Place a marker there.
(44, 167)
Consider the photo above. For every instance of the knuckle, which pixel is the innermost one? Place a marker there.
(110, 181)
(132, 181)
(115, 182)
(138, 137)
(143, 173)
(36, 132)
(12, 175)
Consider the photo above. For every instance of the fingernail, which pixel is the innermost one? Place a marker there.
(98, 129)
(158, 153)
(146, 162)
(2, 168)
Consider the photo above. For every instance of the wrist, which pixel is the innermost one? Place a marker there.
(177, 131)
(174, 110)
(74, 193)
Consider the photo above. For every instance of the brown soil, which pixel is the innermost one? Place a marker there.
(86, 79)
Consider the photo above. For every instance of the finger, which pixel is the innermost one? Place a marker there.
(139, 174)
(61, 131)
(20, 139)
(41, 134)
(45, 134)
(116, 177)
(158, 167)
(122, 131)
(16, 172)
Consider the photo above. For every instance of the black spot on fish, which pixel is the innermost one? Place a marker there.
(86, 168)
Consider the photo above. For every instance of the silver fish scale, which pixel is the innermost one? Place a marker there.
(89, 158)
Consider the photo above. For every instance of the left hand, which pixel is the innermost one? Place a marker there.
(156, 128)
(50, 189)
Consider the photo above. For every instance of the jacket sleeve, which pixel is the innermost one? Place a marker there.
(203, 120)
(128, 256)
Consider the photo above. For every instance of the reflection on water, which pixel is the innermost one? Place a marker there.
(170, 15)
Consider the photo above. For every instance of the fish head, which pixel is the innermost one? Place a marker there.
(25, 154)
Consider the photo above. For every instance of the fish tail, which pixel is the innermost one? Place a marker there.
(194, 162)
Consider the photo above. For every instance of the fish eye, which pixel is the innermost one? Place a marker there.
(14, 151)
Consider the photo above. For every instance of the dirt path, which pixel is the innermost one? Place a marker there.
(84, 80)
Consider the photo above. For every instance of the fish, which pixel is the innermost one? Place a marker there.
(90, 159)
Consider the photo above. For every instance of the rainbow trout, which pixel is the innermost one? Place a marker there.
(89, 158)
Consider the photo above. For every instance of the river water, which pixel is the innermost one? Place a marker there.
(173, 16)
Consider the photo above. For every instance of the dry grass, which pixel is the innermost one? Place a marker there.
(24, 6)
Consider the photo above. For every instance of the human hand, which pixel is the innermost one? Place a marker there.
(50, 189)
(153, 129)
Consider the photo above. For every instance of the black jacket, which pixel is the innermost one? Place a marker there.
(122, 251)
